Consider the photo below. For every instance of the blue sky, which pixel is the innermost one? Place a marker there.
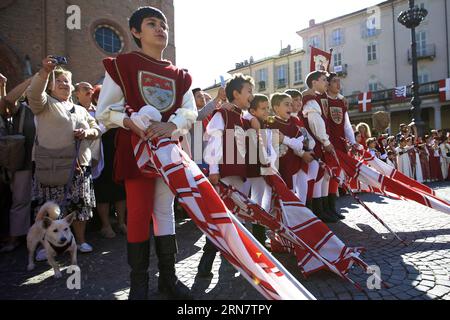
(212, 35)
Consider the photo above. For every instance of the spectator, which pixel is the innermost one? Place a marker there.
(391, 159)
(107, 191)
(445, 156)
(435, 158)
(20, 180)
(364, 129)
(403, 160)
(83, 92)
(424, 159)
(403, 132)
(60, 123)
(199, 97)
(381, 146)
(371, 147)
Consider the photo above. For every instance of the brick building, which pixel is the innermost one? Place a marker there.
(33, 29)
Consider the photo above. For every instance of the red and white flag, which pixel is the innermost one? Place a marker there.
(320, 60)
(365, 102)
(206, 208)
(400, 93)
(444, 90)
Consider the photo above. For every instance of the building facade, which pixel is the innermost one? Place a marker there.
(84, 31)
(371, 52)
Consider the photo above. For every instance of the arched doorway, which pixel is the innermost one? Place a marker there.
(10, 65)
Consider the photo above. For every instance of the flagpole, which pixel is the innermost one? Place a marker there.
(411, 19)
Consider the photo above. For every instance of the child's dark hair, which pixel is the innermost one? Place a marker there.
(139, 15)
(314, 76)
(257, 99)
(277, 98)
(294, 93)
(236, 84)
(331, 76)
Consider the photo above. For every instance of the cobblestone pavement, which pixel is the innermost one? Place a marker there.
(419, 271)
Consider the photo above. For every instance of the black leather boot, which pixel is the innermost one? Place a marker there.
(332, 206)
(138, 259)
(318, 210)
(168, 283)
(309, 204)
(207, 260)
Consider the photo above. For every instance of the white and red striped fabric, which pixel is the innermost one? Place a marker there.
(388, 185)
(365, 102)
(394, 174)
(295, 229)
(444, 90)
(201, 201)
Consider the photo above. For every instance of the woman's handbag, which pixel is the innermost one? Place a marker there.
(54, 166)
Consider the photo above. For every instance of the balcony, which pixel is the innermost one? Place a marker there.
(281, 83)
(423, 52)
(386, 96)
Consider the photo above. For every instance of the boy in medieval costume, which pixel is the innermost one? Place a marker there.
(133, 81)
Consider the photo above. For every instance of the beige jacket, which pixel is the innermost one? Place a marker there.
(56, 120)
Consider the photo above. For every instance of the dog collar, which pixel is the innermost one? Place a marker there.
(62, 249)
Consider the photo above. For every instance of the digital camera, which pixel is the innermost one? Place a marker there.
(60, 60)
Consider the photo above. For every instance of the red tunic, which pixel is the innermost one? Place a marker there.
(290, 163)
(233, 164)
(336, 123)
(144, 81)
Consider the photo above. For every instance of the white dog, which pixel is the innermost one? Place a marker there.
(53, 234)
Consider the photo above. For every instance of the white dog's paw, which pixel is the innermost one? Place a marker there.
(30, 267)
(58, 274)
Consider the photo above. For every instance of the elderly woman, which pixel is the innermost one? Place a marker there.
(64, 132)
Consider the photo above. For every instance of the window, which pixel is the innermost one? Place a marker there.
(337, 37)
(261, 78)
(298, 71)
(373, 85)
(424, 76)
(421, 40)
(372, 52)
(371, 27)
(108, 39)
(337, 58)
(314, 41)
(282, 76)
(261, 75)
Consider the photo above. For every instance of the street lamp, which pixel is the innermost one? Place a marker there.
(411, 19)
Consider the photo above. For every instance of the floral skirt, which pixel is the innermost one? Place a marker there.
(80, 197)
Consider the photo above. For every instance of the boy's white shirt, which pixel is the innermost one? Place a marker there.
(312, 112)
(111, 108)
(213, 150)
(311, 142)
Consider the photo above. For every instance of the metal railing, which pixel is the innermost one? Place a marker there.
(383, 96)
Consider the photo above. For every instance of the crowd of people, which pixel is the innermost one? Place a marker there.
(425, 159)
(80, 155)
